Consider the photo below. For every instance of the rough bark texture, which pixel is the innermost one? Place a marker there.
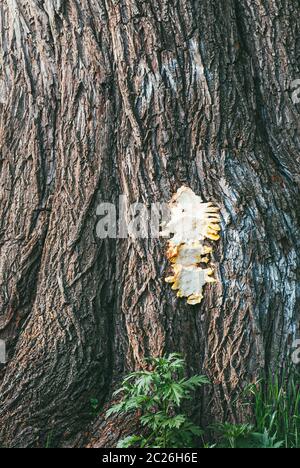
(106, 97)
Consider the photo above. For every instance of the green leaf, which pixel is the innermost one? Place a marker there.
(94, 403)
(176, 393)
(195, 381)
(116, 409)
(129, 441)
(175, 422)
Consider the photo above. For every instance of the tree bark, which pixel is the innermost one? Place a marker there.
(100, 98)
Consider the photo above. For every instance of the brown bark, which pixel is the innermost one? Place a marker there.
(106, 97)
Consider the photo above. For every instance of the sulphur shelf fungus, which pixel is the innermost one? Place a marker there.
(191, 224)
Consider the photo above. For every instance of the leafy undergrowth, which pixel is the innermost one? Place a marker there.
(276, 406)
(158, 395)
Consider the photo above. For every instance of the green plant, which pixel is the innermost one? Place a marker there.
(49, 439)
(234, 434)
(95, 405)
(266, 441)
(276, 408)
(157, 394)
(244, 436)
(275, 403)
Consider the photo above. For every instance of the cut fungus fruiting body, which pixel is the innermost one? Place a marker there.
(192, 223)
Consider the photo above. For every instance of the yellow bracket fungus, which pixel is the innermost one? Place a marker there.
(192, 222)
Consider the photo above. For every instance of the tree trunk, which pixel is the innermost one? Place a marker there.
(100, 98)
